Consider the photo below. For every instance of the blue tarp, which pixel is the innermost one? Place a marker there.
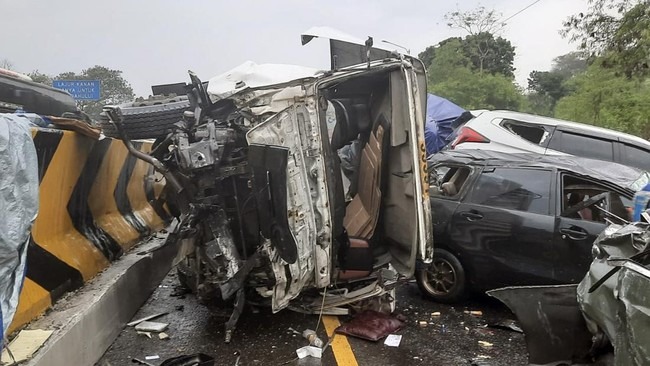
(440, 114)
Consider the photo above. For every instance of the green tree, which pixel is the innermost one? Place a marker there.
(6, 64)
(617, 30)
(453, 74)
(39, 77)
(429, 53)
(569, 64)
(489, 54)
(545, 88)
(114, 88)
(486, 52)
(605, 98)
(448, 59)
(472, 90)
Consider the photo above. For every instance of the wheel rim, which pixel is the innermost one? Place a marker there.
(441, 277)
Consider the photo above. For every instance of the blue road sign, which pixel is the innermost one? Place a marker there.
(80, 89)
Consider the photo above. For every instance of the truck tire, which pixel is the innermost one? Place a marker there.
(148, 121)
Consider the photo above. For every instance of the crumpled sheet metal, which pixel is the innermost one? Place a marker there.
(252, 75)
(19, 206)
(620, 307)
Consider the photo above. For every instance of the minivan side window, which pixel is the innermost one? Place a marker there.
(636, 157)
(448, 181)
(531, 133)
(586, 146)
(515, 189)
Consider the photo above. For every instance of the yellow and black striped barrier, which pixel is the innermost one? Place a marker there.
(96, 201)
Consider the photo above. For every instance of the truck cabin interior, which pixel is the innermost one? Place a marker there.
(371, 136)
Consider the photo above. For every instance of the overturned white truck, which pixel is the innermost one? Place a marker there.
(253, 175)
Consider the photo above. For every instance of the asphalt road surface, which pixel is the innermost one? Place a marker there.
(263, 338)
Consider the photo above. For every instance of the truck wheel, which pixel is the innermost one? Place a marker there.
(147, 121)
(444, 279)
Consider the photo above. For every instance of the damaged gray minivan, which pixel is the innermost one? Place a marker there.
(253, 176)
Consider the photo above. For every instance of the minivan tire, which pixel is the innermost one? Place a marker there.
(146, 122)
(443, 280)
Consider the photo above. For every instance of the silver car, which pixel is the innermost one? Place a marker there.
(510, 132)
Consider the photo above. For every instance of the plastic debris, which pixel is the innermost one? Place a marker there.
(147, 326)
(393, 340)
(24, 345)
(309, 351)
(147, 334)
(507, 325)
(140, 362)
(312, 337)
(163, 335)
(474, 312)
(154, 357)
(185, 360)
(485, 344)
(435, 313)
(138, 321)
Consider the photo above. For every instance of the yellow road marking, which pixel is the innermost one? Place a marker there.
(340, 346)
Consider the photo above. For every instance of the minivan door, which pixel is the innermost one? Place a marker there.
(503, 229)
(580, 221)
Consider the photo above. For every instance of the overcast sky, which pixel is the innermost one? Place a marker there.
(156, 42)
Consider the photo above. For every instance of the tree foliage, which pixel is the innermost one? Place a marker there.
(604, 98)
(452, 75)
(475, 21)
(39, 77)
(494, 55)
(114, 88)
(618, 31)
(489, 54)
(6, 64)
(545, 88)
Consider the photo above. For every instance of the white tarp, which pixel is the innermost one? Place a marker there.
(19, 206)
(252, 75)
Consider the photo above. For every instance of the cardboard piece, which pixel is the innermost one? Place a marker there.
(25, 345)
(77, 126)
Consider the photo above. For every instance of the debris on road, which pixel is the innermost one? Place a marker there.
(197, 359)
(393, 340)
(24, 345)
(146, 334)
(485, 344)
(154, 357)
(147, 326)
(309, 351)
(480, 360)
(140, 362)
(370, 325)
(435, 313)
(474, 312)
(423, 323)
(312, 337)
(150, 317)
(507, 325)
(163, 336)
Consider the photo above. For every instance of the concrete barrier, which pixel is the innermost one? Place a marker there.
(96, 202)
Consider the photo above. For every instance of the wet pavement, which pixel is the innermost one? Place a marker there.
(263, 338)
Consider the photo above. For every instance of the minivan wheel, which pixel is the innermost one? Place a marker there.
(444, 279)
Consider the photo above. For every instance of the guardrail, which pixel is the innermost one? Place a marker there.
(96, 202)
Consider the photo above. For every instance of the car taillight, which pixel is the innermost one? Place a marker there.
(466, 134)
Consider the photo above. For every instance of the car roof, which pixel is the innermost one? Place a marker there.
(620, 175)
(531, 118)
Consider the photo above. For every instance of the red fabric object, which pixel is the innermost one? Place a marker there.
(370, 325)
